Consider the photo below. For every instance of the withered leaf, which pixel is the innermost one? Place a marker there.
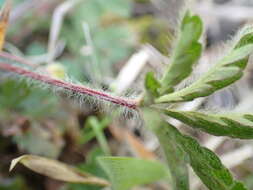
(57, 170)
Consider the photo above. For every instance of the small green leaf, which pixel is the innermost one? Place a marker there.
(225, 72)
(152, 84)
(186, 53)
(204, 162)
(232, 125)
(88, 133)
(96, 126)
(126, 173)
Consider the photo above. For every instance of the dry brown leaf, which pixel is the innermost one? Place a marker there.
(4, 17)
(135, 143)
(57, 170)
(139, 148)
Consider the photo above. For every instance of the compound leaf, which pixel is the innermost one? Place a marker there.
(228, 70)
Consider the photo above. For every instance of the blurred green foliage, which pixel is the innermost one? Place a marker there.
(13, 183)
(17, 96)
(34, 120)
(155, 32)
(113, 39)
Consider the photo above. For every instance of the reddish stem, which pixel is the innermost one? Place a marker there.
(72, 87)
(15, 58)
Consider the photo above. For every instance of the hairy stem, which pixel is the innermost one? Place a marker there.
(132, 104)
(14, 58)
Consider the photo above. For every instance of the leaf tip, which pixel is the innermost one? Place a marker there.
(15, 161)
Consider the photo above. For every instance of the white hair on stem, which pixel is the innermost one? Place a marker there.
(83, 94)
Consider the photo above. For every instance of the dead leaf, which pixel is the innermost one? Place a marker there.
(135, 143)
(139, 148)
(57, 170)
(4, 17)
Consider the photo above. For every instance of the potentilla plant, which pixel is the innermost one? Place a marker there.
(156, 105)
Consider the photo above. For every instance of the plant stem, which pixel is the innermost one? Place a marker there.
(16, 59)
(132, 104)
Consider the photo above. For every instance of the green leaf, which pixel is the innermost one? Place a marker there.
(186, 53)
(96, 126)
(107, 24)
(225, 72)
(126, 173)
(27, 97)
(204, 162)
(232, 125)
(87, 133)
(152, 84)
(176, 157)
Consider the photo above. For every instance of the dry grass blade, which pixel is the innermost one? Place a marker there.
(57, 20)
(131, 70)
(4, 17)
(139, 148)
(57, 170)
(237, 156)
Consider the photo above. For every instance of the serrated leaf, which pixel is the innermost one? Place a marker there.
(126, 173)
(232, 125)
(57, 170)
(204, 162)
(186, 53)
(225, 72)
